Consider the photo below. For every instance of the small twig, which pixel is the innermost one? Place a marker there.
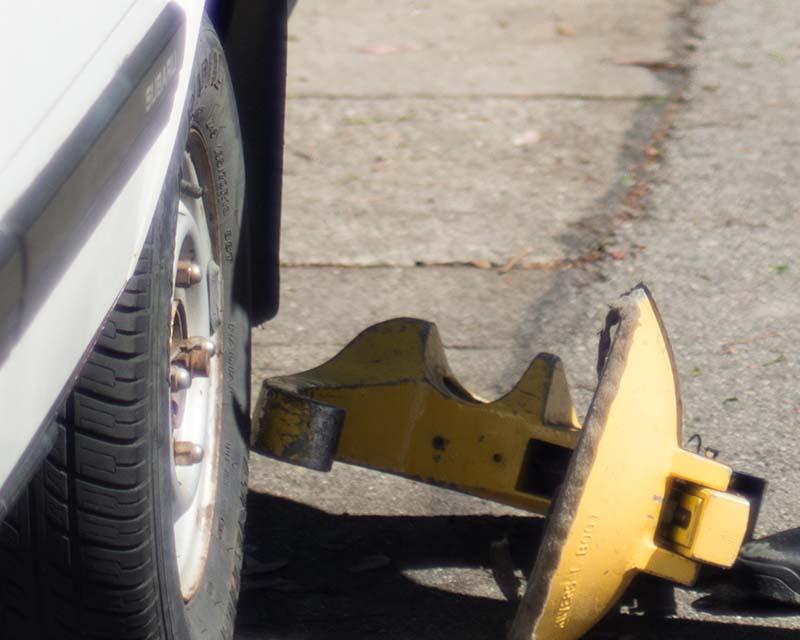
(653, 65)
(727, 347)
(514, 261)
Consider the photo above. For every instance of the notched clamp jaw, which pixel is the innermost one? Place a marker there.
(389, 401)
(621, 495)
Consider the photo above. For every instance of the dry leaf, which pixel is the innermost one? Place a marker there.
(565, 30)
(386, 49)
(532, 136)
(380, 49)
(651, 151)
(481, 264)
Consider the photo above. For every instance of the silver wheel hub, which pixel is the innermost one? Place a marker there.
(195, 379)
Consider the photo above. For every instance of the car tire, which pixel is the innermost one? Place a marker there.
(94, 549)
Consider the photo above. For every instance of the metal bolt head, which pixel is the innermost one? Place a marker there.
(187, 453)
(207, 345)
(179, 378)
(200, 351)
(188, 274)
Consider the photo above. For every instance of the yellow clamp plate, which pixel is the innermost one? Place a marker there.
(608, 519)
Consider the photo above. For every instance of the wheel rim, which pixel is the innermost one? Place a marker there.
(195, 370)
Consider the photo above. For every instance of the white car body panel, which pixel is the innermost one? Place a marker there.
(43, 35)
(47, 352)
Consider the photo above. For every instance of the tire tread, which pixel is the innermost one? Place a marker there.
(90, 498)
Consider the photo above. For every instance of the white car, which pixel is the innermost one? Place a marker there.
(133, 260)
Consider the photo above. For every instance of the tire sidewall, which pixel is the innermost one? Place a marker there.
(211, 111)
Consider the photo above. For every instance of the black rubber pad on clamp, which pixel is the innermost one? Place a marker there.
(770, 567)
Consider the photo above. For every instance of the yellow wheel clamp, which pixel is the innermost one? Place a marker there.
(620, 493)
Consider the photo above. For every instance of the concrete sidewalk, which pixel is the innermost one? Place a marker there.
(505, 169)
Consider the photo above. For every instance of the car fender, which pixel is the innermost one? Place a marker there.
(77, 193)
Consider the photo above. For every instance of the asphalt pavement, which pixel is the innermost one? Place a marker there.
(506, 169)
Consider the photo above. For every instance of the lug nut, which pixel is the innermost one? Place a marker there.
(207, 345)
(195, 355)
(188, 273)
(179, 378)
(187, 453)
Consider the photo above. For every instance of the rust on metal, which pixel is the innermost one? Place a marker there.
(194, 355)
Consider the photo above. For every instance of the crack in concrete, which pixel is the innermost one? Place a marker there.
(338, 345)
(480, 96)
(591, 255)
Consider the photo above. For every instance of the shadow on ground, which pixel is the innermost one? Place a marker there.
(312, 575)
